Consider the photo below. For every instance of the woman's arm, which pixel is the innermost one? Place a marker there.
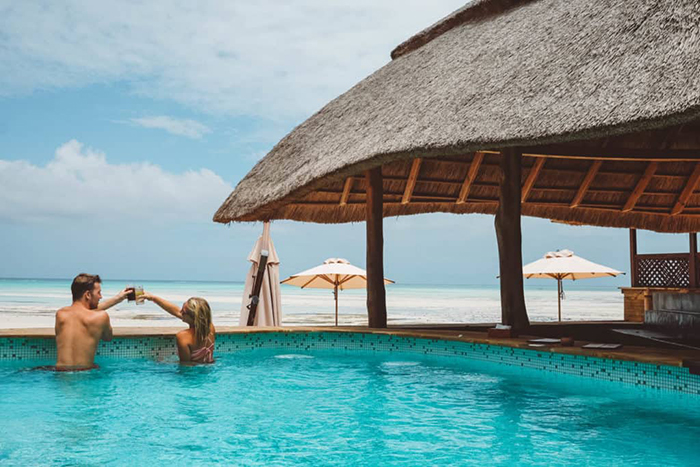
(164, 304)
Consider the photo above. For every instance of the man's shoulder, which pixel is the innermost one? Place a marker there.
(64, 313)
(99, 316)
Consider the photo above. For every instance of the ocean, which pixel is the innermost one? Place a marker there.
(31, 303)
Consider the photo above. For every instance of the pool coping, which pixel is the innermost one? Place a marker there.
(657, 356)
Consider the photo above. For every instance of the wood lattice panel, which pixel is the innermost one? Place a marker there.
(663, 271)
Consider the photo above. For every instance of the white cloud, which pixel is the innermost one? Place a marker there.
(189, 128)
(265, 58)
(80, 184)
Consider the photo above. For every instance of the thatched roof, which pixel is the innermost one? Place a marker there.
(614, 80)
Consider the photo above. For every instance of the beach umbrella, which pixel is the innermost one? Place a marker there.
(269, 307)
(336, 274)
(564, 264)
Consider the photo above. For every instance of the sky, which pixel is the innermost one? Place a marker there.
(124, 125)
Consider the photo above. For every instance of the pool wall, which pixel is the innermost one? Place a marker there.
(660, 377)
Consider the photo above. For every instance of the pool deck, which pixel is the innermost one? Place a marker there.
(644, 354)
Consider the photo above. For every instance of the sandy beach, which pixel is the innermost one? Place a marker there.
(32, 303)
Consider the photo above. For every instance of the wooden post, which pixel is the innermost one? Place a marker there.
(509, 237)
(693, 263)
(633, 258)
(376, 295)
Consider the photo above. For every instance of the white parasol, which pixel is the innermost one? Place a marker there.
(334, 273)
(564, 264)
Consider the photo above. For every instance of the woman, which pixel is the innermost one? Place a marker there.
(196, 344)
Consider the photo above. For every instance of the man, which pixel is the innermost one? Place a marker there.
(80, 327)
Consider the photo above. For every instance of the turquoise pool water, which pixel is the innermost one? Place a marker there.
(329, 408)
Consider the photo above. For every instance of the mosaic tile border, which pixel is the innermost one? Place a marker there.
(659, 377)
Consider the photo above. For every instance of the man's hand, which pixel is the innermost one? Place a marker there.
(121, 296)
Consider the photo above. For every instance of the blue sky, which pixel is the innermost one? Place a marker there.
(123, 126)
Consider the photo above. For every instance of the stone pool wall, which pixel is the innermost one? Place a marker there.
(659, 377)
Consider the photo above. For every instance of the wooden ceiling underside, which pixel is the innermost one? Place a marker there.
(649, 172)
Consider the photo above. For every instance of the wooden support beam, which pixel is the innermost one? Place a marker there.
(588, 179)
(641, 186)
(411, 182)
(471, 176)
(376, 294)
(347, 188)
(557, 171)
(542, 188)
(508, 233)
(435, 199)
(687, 192)
(531, 177)
(571, 151)
(633, 258)
(431, 200)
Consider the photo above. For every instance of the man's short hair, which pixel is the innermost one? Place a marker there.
(83, 283)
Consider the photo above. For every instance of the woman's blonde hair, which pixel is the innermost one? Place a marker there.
(201, 313)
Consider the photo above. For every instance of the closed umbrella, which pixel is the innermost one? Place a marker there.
(269, 308)
(564, 264)
(336, 274)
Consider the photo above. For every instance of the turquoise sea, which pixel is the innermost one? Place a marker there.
(33, 302)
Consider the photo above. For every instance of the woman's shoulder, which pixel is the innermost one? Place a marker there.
(185, 336)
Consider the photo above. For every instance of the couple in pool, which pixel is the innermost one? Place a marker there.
(81, 326)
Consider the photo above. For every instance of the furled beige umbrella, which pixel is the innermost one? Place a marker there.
(269, 306)
(334, 273)
(564, 264)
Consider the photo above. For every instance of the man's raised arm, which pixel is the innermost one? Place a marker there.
(110, 302)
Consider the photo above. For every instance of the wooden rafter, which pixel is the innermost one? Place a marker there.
(687, 192)
(559, 170)
(411, 182)
(471, 176)
(346, 191)
(492, 185)
(531, 177)
(641, 186)
(592, 171)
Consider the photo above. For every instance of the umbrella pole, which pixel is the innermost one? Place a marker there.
(559, 297)
(335, 291)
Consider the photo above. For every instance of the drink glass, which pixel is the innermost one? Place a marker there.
(131, 296)
(138, 292)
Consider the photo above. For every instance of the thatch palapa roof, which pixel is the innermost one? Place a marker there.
(603, 97)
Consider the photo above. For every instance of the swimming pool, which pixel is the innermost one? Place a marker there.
(329, 407)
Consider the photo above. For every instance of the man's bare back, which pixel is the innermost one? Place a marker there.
(80, 327)
(78, 331)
